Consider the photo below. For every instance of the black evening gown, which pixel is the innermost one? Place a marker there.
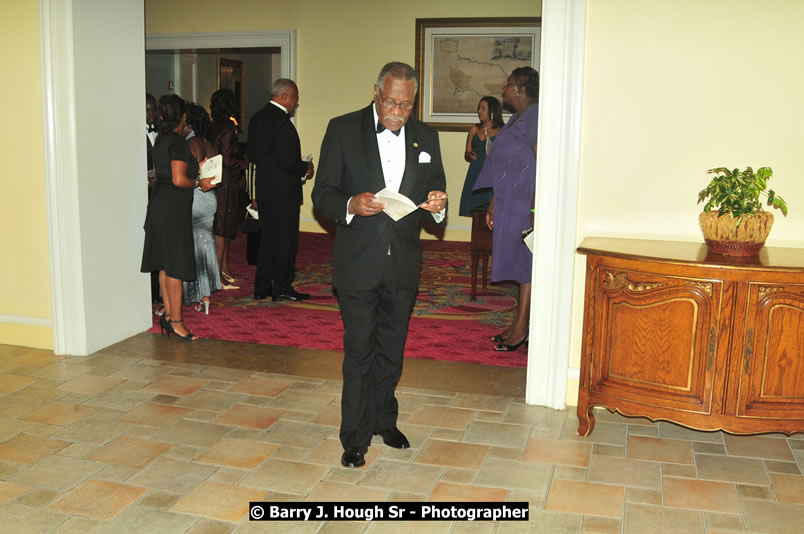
(168, 221)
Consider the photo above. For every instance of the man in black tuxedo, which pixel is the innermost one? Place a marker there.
(274, 147)
(376, 259)
(151, 114)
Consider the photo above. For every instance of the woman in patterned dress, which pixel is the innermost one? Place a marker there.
(228, 215)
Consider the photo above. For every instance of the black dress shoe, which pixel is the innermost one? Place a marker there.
(260, 295)
(354, 457)
(291, 295)
(394, 438)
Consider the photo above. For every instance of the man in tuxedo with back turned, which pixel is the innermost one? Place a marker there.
(151, 114)
(274, 147)
(376, 259)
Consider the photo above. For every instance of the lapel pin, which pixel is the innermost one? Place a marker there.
(415, 144)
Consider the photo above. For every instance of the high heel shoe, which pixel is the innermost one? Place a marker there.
(160, 311)
(498, 338)
(504, 347)
(203, 304)
(228, 278)
(228, 284)
(165, 326)
(189, 336)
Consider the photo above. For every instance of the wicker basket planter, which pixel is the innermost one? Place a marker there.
(724, 236)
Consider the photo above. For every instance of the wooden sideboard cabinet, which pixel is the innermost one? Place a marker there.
(707, 341)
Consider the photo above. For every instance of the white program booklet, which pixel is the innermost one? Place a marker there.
(396, 205)
(527, 237)
(213, 167)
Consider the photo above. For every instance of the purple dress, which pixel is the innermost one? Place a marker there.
(510, 169)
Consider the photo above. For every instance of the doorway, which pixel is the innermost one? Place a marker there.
(245, 62)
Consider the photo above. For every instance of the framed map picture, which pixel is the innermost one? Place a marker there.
(459, 61)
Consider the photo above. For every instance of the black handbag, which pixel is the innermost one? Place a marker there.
(252, 228)
(251, 225)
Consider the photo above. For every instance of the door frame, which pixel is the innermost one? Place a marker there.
(556, 188)
(556, 203)
(285, 40)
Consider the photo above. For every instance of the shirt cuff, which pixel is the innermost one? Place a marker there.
(349, 216)
(438, 217)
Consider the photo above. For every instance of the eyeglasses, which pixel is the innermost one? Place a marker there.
(390, 104)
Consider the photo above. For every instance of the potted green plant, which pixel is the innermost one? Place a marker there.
(733, 221)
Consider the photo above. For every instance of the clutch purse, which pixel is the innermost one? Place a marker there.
(251, 225)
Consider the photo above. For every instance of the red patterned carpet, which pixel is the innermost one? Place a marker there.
(445, 325)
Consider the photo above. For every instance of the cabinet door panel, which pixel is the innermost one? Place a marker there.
(657, 338)
(654, 342)
(772, 381)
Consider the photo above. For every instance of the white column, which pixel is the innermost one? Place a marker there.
(95, 165)
(556, 201)
(61, 176)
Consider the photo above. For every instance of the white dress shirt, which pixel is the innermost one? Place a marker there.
(280, 106)
(392, 158)
(151, 134)
(392, 155)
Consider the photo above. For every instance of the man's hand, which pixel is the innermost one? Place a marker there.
(436, 202)
(365, 205)
(310, 170)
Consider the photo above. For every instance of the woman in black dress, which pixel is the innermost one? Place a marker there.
(228, 215)
(168, 223)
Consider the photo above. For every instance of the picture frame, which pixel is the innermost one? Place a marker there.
(460, 60)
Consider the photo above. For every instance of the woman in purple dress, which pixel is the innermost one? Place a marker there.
(510, 170)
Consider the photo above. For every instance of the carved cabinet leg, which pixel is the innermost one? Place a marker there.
(586, 420)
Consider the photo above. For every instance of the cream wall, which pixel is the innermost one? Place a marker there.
(25, 306)
(341, 46)
(675, 87)
(111, 162)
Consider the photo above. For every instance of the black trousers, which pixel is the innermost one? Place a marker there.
(375, 329)
(156, 292)
(279, 242)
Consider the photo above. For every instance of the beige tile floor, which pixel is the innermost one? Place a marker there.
(152, 435)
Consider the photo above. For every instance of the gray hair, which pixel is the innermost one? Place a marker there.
(398, 71)
(281, 85)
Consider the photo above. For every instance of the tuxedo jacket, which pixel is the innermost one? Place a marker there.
(273, 146)
(349, 164)
(149, 152)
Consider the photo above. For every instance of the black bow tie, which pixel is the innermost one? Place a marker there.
(381, 129)
(151, 128)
